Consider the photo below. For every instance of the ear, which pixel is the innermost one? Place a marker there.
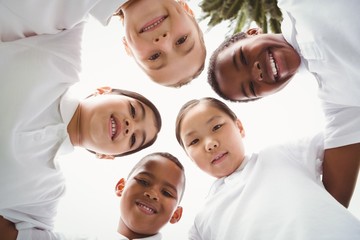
(254, 31)
(186, 7)
(104, 156)
(176, 215)
(103, 90)
(241, 128)
(126, 47)
(119, 188)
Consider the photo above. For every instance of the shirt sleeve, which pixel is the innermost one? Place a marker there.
(20, 19)
(309, 152)
(37, 234)
(194, 234)
(341, 125)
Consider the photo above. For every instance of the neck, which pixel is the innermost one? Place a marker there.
(127, 232)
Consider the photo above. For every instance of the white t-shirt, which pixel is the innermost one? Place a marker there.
(19, 19)
(35, 73)
(323, 33)
(275, 194)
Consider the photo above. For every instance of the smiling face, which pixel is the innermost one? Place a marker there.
(256, 66)
(114, 124)
(151, 196)
(164, 40)
(212, 139)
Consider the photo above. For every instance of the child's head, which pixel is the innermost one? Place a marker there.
(211, 135)
(151, 196)
(251, 65)
(115, 122)
(164, 39)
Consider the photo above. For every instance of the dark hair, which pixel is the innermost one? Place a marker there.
(192, 103)
(211, 76)
(166, 155)
(148, 103)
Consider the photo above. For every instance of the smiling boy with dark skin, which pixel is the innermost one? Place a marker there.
(150, 197)
(252, 65)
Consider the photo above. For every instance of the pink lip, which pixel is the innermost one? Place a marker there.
(146, 207)
(219, 158)
(149, 26)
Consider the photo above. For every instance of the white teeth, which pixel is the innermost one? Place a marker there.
(146, 208)
(273, 65)
(113, 127)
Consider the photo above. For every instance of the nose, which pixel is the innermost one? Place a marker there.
(128, 127)
(257, 72)
(163, 36)
(211, 145)
(151, 194)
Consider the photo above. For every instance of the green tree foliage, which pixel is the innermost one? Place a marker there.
(241, 13)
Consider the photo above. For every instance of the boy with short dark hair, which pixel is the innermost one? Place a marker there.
(150, 197)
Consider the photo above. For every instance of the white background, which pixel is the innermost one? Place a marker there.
(91, 206)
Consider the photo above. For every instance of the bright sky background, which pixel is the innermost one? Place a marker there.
(91, 206)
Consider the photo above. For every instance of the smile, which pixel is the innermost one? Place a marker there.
(218, 158)
(152, 24)
(146, 209)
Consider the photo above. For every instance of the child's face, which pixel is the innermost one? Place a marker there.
(256, 66)
(164, 40)
(113, 124)
(151, 196)
(213, 140)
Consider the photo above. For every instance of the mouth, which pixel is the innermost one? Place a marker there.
(219, 158)
(146, 208)
(114, 127)
(274, 69)
(151, 25)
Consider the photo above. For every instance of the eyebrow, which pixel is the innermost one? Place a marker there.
(243, 90)
(207, 122)
(142, 118)
(234, 61)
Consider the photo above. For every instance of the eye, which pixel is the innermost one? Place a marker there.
(154, 56)
(132, 140)
(193, 142)
(167, 193)
(142, 182)
(242, 57)
(217, 127)
(181, 40)
(132, 110)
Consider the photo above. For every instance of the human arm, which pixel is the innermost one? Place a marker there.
(7, 229)
(340, 171)
(342, 150)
